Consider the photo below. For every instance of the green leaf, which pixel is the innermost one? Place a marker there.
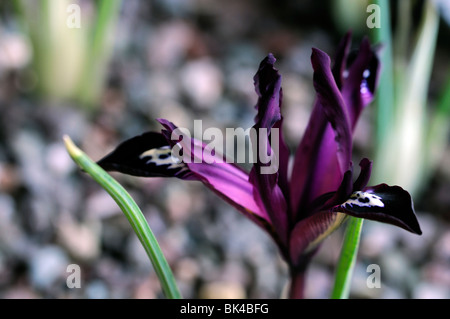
(134, 216)
(385, 93)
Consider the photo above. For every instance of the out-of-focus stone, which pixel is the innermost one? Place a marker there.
(82, 240)
(318, 283)
(97, 289)
(222, 290)
(202, 81)
(47, 265)
(147, 288)
(9, 177)
(417, 246)
(442, 247)
(101, 205)
(20, 292)
(179, 203)
(15, 51)
(396, 268)
(169, 44)
(58, 160)
(431, 291)
(437, 272)
(187, 269)
(377, 239)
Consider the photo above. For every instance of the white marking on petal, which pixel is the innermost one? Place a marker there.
(363, 199)
(366, 73)
(162, 156)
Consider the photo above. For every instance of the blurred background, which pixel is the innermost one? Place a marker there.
(103, 71)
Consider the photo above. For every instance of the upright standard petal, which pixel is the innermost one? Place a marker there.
(324, 154)
(358, 88)
(269, 174)
(267, 81)
(340, 59)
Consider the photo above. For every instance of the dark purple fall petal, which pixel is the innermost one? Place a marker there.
(383, 203)
(147, 155)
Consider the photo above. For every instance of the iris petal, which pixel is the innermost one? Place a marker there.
(135, 157)
(324, 154)
(383, 203)
(340, 59)
(267, 81)
(358, 89)
(364, 176)
(146, 155)
(225, 179)
(333, 106)
(272, 183)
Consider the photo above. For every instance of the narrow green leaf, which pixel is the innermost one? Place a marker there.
(385, 93)
(100, 50)
(134, 216)
(347, 259)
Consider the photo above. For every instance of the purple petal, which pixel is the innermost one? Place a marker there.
(324, 154)
(358, 88)
(272, 184)
(383, 203)
(340, 59)
(364, 176)
(226, 179)
(268, 87)
(146, 155)
(150, 155)
(333, 106)
(267, 82)
(273, 200)
(387, 204)
(284, 155)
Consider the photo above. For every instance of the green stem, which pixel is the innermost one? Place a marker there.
(347, 259)
(134, 216)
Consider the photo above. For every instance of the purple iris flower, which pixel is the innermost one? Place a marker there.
(297, 208)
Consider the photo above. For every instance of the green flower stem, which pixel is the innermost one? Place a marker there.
(134, 216)
(347, 259)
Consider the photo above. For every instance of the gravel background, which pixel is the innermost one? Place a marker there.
(185, 60)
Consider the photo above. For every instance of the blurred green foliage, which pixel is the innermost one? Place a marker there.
(71, 45)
